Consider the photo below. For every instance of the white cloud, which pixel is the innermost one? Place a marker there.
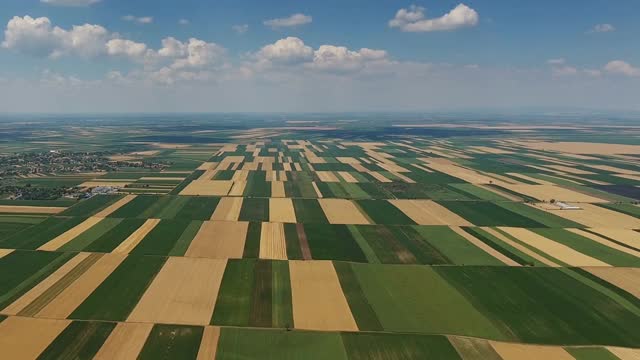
(240, 29)
(70, 2)
(602, 28)
(620, 67)
(39, 38)
(413, 19)
(340, 59)
(564, 70)
(286, 51)
(291, 21)
(559, 61)
(184, 22)
(127, 48)
(140, 20)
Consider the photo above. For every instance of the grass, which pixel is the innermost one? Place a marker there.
(417, 299)
(198, 208)
(22, 270)
(116, 235)
(382, 212)
(80, 340)
(591, 353)
(484, 213)
(501, 246)
(260, 314)
(281, 303)
(589, 247)
(364, 346)
(309, 211)
(236, 343)
(542, 217)
(162, 238)
(233, 306)
(362, 311)
(91, 206)
(454, 247)
(135, 207)
(83, 240)
(293, 242)
(115, 298)
(333, 242)
(254, 209)
(544, 306)
(33, 237)
(252, 241)
(182, 244)
(172, 342)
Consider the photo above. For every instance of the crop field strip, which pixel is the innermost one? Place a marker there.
(334, 249)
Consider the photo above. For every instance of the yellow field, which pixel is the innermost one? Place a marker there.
(208, 188)
(281, 210)
(428, 212)
(125, 342)
(219, 240)
(228, 209)
(272, 241)
(27, 338)
(115, 206)
(31, 209)
(341, 211)
(183, 292)
(317, 297)
(134, 239)
(70, 234)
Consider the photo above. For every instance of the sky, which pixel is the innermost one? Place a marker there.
(68, 56)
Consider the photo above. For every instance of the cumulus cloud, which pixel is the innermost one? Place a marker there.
(602, 28)
(70, 2)
(139, 20)
(413, 19)
(39, 38)
(240, 29)
(340, 59)
(291, 21)
(620, 67)
(286, 51)
(127, 48)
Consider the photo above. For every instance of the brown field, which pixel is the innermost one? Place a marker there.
(31, 295)
(134, 239)
(111, 183)
(115, 206)
(315, 187)
(530, 178)
(554, 249)
(238, 188)
(347, 177)
(582, 147)
(348, 160)
(450, 168)
(281, 210)
(317, 297)
(341, 211)
(614, 170)
(30, 209)
(327, 176)
(486, 248)
(549, 192)
(511, 351)
(5, 252)
(184, 292)
(620, 235)
(428, 212)
(627, 279)
(207, 166)
(272, 241)
(624, 353)
(570, 169)
(125, 342)
(70, 234)
(151, 178)
(277, 189)
(518, 246)
(69, 299)
(219, 240)
(209, 343)
(596, 217)
(490, 150)
(208, 187)
(629, 176)
(376, 175)
(27, 338)
(228, 209)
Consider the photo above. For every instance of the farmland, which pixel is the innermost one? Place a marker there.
(380, 239)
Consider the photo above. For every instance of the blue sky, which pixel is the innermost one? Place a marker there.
(328, 55)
